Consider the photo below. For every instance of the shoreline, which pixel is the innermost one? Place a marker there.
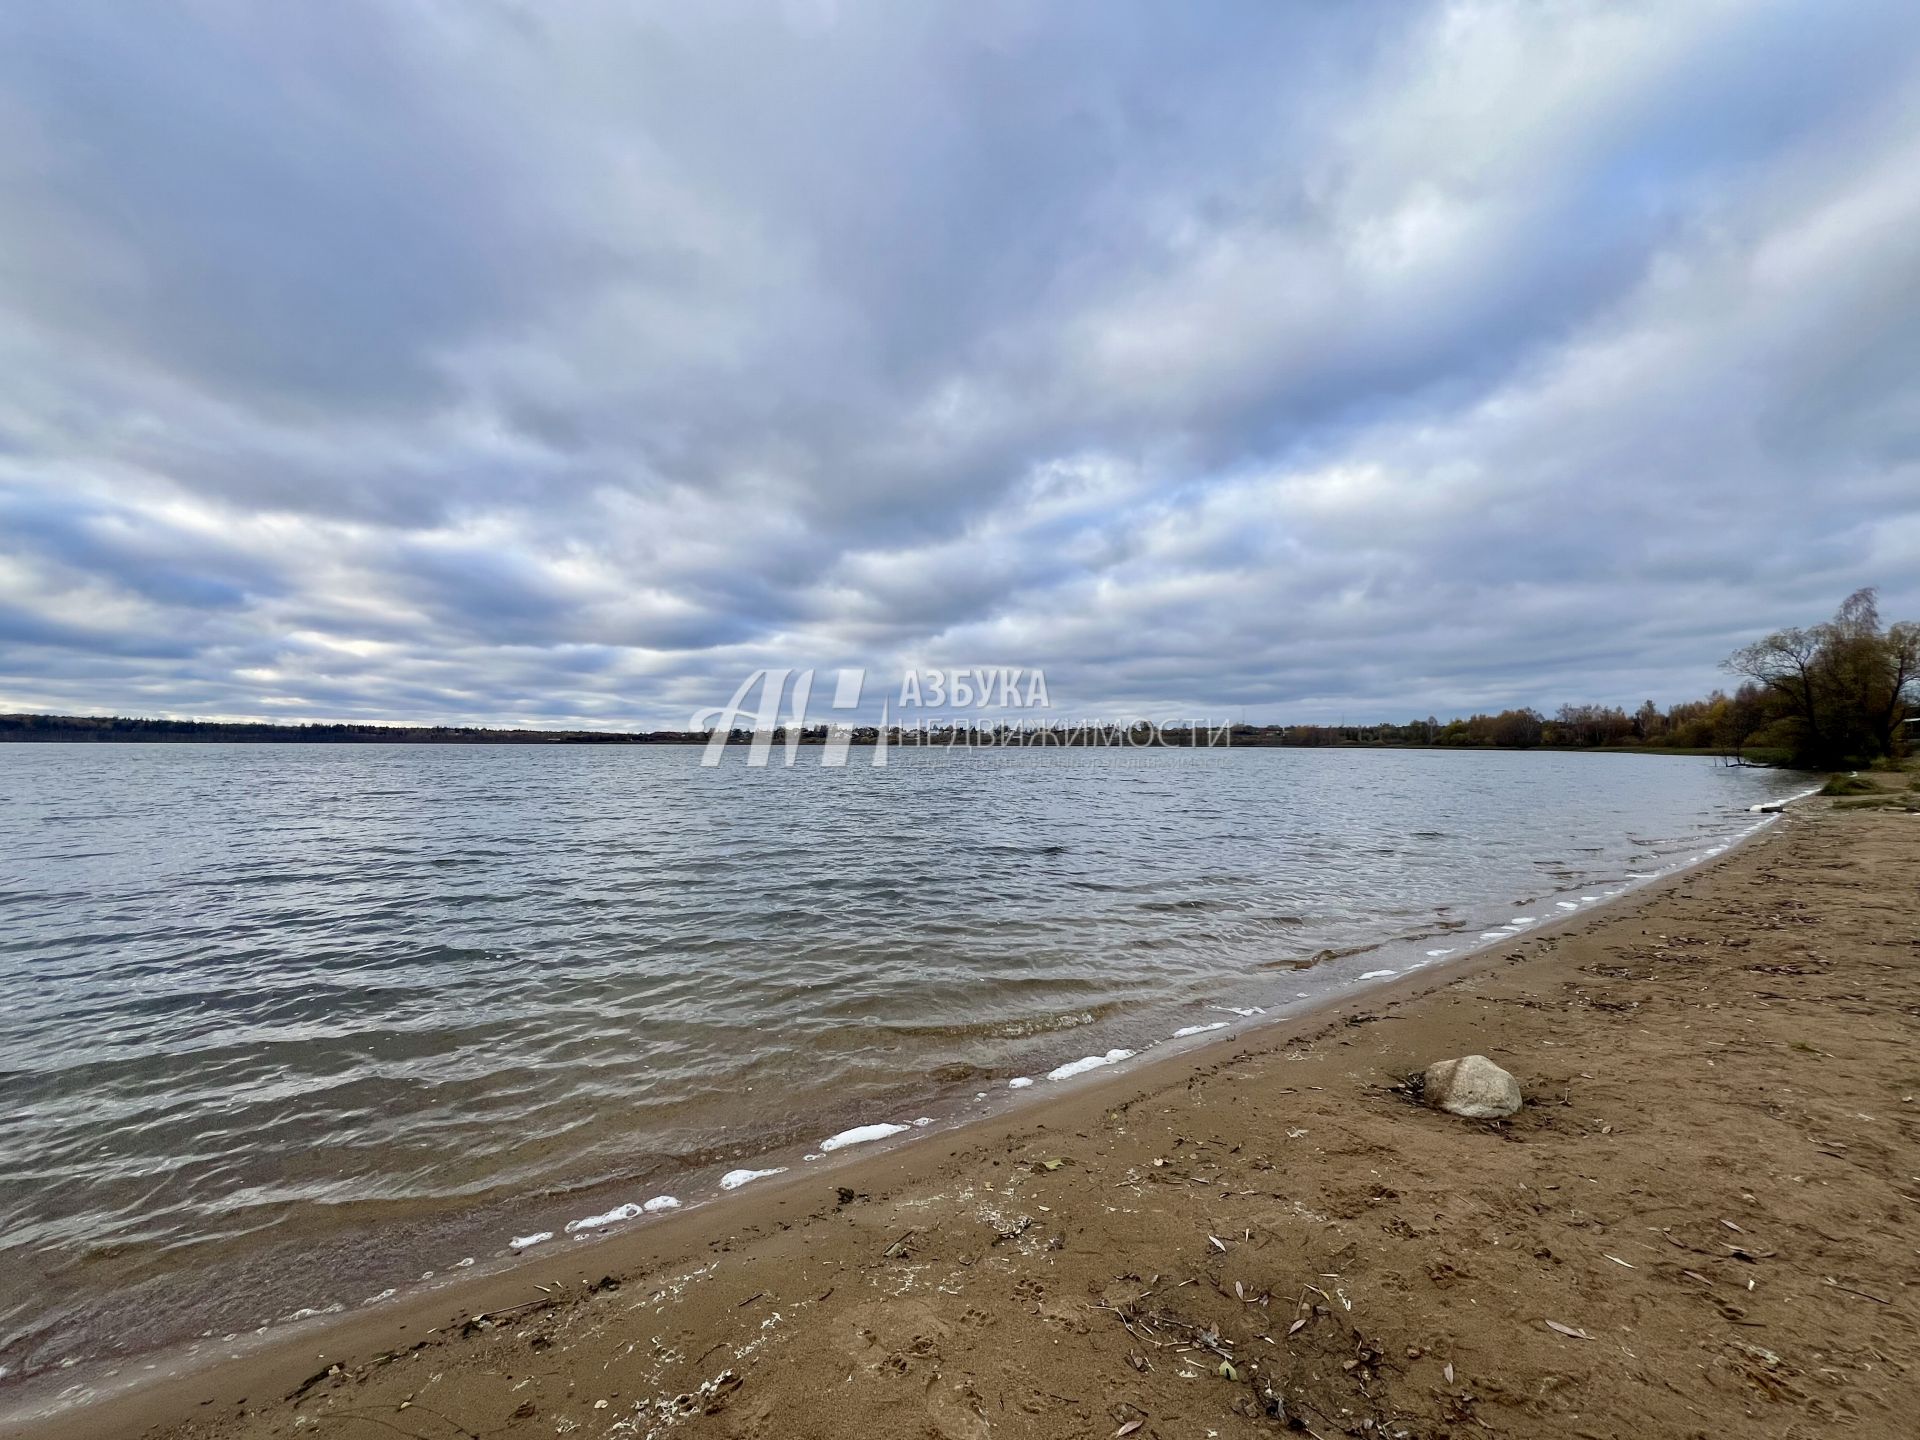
(269, 1368)
(47, 1393)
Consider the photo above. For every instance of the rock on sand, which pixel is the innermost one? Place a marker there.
(1472, 1086)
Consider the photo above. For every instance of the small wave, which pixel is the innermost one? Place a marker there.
(1187, 1030)
(305, 1312)
(1377, 974)
(1015, 1028)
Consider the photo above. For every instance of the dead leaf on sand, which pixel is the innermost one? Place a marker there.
(1568, 1330)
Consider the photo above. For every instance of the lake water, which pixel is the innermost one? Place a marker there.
(287, 1028)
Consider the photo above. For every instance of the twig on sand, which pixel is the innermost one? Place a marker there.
(1861, 1293)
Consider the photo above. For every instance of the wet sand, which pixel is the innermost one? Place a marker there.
(1705, 1222)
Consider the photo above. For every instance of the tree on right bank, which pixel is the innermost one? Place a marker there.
(1835, 694)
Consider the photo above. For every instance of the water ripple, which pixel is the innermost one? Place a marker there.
(287, 1025)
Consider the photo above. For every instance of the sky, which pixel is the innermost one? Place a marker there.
(519, 363)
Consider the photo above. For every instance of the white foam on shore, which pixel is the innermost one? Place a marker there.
(860, 1135)
(1020, 1082)
(1378, 974)
(1187, 1030)
(1243, 1011)
(524, 1242)
(1566, 904)
(734, 1179)
(1090, 1062)
(923, 1122)
(305, 1312)
(629, 1211)
(1436, 954)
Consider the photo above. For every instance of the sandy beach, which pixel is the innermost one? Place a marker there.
(1705, 1221)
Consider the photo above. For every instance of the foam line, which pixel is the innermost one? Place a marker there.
(614, 1216)
(860, 1135)
(734, 1179)
(1090, 1062)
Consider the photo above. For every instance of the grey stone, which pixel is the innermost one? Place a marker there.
(1472, 1086)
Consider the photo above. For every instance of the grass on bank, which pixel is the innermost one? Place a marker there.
(1877, 789)
(1849, 785)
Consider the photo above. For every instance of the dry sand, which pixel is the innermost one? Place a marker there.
(1705, 1222)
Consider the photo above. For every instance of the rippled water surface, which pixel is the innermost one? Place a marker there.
(288, 1026)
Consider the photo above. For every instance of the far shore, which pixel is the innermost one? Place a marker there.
(1702, 1223)
(1027, 731)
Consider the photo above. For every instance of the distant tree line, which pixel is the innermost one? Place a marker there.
(1721, 723)
(110, 728)
(1824, 697)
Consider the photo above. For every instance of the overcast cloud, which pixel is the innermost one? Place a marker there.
(520, 363)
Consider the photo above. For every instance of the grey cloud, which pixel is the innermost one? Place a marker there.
(505, 362)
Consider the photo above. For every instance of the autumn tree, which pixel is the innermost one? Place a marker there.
(1840, 689)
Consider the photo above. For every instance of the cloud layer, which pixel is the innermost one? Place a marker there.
(512, 363)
